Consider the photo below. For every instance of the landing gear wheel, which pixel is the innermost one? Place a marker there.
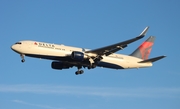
(79, 72)
(23, 60)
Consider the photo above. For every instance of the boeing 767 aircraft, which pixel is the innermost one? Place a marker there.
(65, 57)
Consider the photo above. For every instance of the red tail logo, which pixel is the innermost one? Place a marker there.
(145, 49)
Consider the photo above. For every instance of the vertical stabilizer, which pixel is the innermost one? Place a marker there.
(144, 49)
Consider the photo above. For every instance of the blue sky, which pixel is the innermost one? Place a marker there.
(89, 24)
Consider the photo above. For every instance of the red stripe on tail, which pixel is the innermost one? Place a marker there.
(145, 49)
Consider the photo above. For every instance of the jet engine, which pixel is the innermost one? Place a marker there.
(59, 65)
(76, 55)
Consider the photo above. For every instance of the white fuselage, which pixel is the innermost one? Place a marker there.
(60, 52)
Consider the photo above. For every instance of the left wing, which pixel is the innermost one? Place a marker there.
(107, 50)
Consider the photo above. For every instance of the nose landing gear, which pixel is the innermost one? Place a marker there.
(22, 57)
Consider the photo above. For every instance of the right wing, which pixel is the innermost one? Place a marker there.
(107, 50)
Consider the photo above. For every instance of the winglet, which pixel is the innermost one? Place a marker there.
(143, 33)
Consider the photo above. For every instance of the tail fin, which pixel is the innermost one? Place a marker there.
(144, 49)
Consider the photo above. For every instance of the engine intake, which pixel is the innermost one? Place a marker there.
(59, 65)
(76, 55)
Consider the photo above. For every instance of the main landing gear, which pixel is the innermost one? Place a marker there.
(92, 65)
(22, 57)
(79, 71)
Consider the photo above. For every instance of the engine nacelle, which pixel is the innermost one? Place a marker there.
(76, 55)
(59, 65)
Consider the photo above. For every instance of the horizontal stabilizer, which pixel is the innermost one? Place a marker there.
(152, 59)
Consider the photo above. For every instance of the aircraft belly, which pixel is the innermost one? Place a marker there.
(109, 65)
(113, 63)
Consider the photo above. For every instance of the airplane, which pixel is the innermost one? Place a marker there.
(65, 57)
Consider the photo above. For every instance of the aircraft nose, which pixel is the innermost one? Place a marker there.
(14, 48)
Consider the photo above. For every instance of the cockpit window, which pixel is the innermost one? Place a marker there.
(18, 43)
